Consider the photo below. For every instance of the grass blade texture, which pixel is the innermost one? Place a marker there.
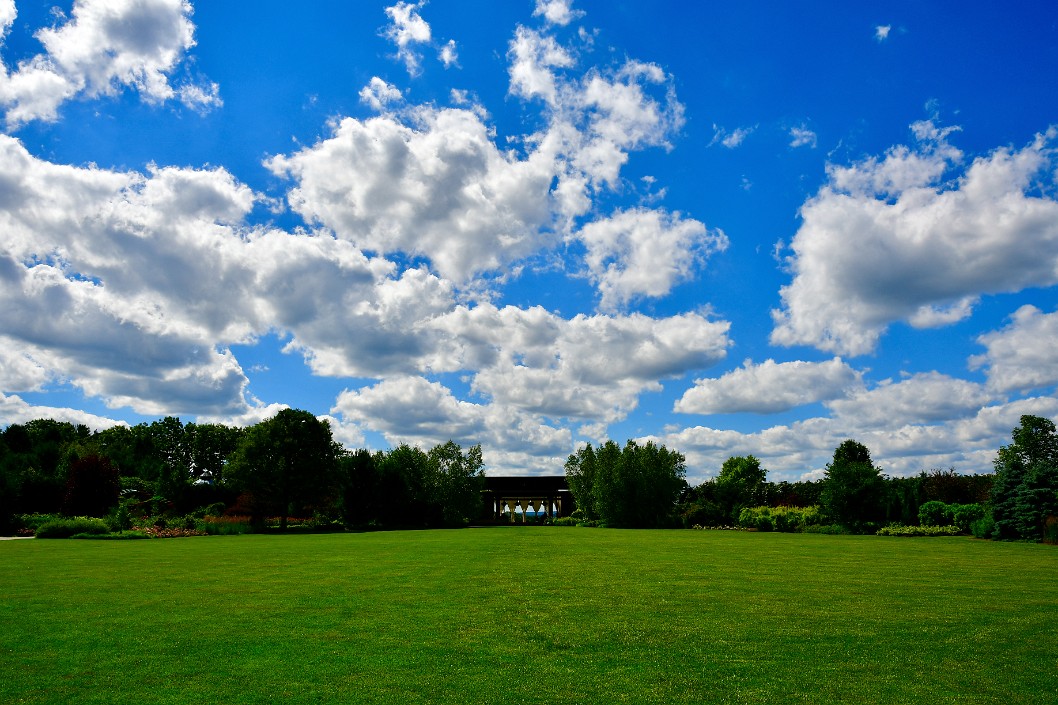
(529, 615)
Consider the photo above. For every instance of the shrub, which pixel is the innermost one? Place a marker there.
(984, 528)
(764, 523)
(899, 530)
(786, 519)
(173, 532)
(565, 521)
(66, 527)
(935, 514)
(833, 529)
(225, 525)
(32, 522)
(120, 519)
(115, 536)
(964, 515)
(1050, 530)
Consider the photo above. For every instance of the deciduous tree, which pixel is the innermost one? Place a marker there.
(458, 479)
(740, 484)
(634, 487)
(286, 463)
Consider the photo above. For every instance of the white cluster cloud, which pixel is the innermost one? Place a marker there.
(90, 303)
(417, 411)
(14, 409)
(409, 31)
(406, 30)
(587, 367)
(889, 240)
(801, 136)
(926, 397)
(431, 182)
(644, 252)
(136, 287)
(770, 387)
(104, 47)
(439, 189)
(1022, 356)
(532, 368)
(557, 12)
(449, 54)
(730, 139)
(802, 449)
(379, 94)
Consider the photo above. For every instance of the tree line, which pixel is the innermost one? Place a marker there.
(644, 486)
(286, 466)
(290, 466)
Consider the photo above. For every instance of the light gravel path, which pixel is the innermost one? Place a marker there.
(14, 538)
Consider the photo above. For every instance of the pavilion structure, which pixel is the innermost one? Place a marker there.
(548, 494)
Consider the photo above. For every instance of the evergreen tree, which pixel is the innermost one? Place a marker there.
(1025, 490)
(852, 488)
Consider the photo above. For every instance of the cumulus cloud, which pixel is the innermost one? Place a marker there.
(534, 56)
(881, 32)
(644, 252)
(557, 12)
(770, 387)
(379, 94)
(132, 287)
(891, 239)
(19, 371)
(14, 409)
(162, 271)
(420, 412)
(8, 13)
(433, 183)
(587, 367)
(530, 368)
(449, 54)
(922, 398)
(801, 136)
(407, 29)
(900, 447)
(104, 47)
(440, 189)
(1023, 355)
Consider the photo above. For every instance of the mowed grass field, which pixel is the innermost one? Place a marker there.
(529, 615)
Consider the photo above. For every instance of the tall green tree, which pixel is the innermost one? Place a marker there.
(741, 483)
(852, 486)
(608, 492)
(92, 485)
(403, 497)
(1025, 489)
(580, 476)
(33, 463)
(637, 486)
(286, 463)
(358, 487)
(209, 446)
(458, 479)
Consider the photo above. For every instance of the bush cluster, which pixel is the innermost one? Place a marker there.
(114, 536)
(900, 530)
(785, 519)
(830, 529)
(66, 527)
(940, 514)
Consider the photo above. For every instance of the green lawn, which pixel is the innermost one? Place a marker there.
(532, 615)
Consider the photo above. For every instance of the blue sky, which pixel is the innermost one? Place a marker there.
(748, 228)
